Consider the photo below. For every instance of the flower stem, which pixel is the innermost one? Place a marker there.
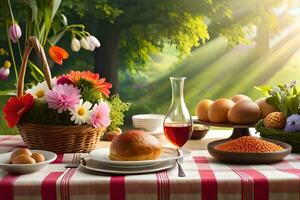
(76, 26)
(19, 49)
(11, 51)
(10, 10)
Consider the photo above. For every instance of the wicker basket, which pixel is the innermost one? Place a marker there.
(291, 138)
(60, 139)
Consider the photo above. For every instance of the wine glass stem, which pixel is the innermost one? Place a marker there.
(179, 151)
(179, 162)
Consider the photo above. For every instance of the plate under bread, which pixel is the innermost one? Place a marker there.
(168, 154)
(95, 166)
(249, 158)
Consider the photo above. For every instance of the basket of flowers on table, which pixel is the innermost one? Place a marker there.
(284, 124)
(68, 113)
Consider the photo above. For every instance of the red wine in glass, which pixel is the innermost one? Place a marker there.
(178, 133)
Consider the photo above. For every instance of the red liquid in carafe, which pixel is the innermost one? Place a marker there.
(178, 134)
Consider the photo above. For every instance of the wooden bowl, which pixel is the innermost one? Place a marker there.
(249, 158)
(199, 131)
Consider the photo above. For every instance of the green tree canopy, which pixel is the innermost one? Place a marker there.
(132, 30)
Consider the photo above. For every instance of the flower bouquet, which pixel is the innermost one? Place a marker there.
(68, 113)
(283, 125)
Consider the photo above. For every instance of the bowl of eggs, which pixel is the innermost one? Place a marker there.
(25, 161)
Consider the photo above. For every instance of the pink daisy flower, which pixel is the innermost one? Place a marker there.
(63, 97)
(100, 116)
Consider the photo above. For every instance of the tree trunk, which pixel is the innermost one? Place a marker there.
(106, 57)
(263, 37)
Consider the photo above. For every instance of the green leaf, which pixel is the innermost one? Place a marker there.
(282, 87)
(55, 38)
(295, 91)
(33, 9)
(264, 89)
(8, 93)
(56, 4)
(35, 72)
(292, 103)
(274, 101)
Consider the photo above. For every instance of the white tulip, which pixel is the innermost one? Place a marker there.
(94, 41)
(92, 47)
(75, 44)
(85, 43)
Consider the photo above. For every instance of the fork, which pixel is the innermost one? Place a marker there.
(76, 162)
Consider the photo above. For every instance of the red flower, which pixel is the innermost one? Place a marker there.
(58, 54)
(16, 107)
(100, 84)
(64, 79)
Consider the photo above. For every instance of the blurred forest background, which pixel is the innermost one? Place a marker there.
(223, 47)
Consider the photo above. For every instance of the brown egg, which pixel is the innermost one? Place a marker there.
(38, 157)
(23, 159)
(240, 97)
(202, 109)
(218, 110)
(265, 108)
(244, 112)
(19, 151)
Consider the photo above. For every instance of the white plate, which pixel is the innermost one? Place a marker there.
(98, 167)
(147, 116)
(168, 154)
(26, 168)
(157, 132)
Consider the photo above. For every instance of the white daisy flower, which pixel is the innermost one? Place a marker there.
(54, 81)
(82, 113)
(39, 91)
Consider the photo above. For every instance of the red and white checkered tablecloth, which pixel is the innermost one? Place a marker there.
(206, 179)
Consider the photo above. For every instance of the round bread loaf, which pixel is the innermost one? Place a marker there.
(244, 112)
(135, 145)
(218, 110)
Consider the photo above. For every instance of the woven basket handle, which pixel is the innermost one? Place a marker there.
(33, 42)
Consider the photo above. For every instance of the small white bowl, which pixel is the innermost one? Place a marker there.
(26, 168)
(149, 122)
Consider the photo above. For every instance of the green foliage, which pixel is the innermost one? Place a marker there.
(41, 114)
(117, 112)
(145, 26)
(291, 138)
(285, 98)
(88, 91)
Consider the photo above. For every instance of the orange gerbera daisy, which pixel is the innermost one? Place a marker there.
(94, 78)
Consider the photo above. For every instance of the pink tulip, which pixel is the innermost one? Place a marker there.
(15, 32)
(4, 72)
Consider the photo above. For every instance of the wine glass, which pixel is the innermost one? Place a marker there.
(178, 123)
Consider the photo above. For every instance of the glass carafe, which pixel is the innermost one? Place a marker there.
(178, 123)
